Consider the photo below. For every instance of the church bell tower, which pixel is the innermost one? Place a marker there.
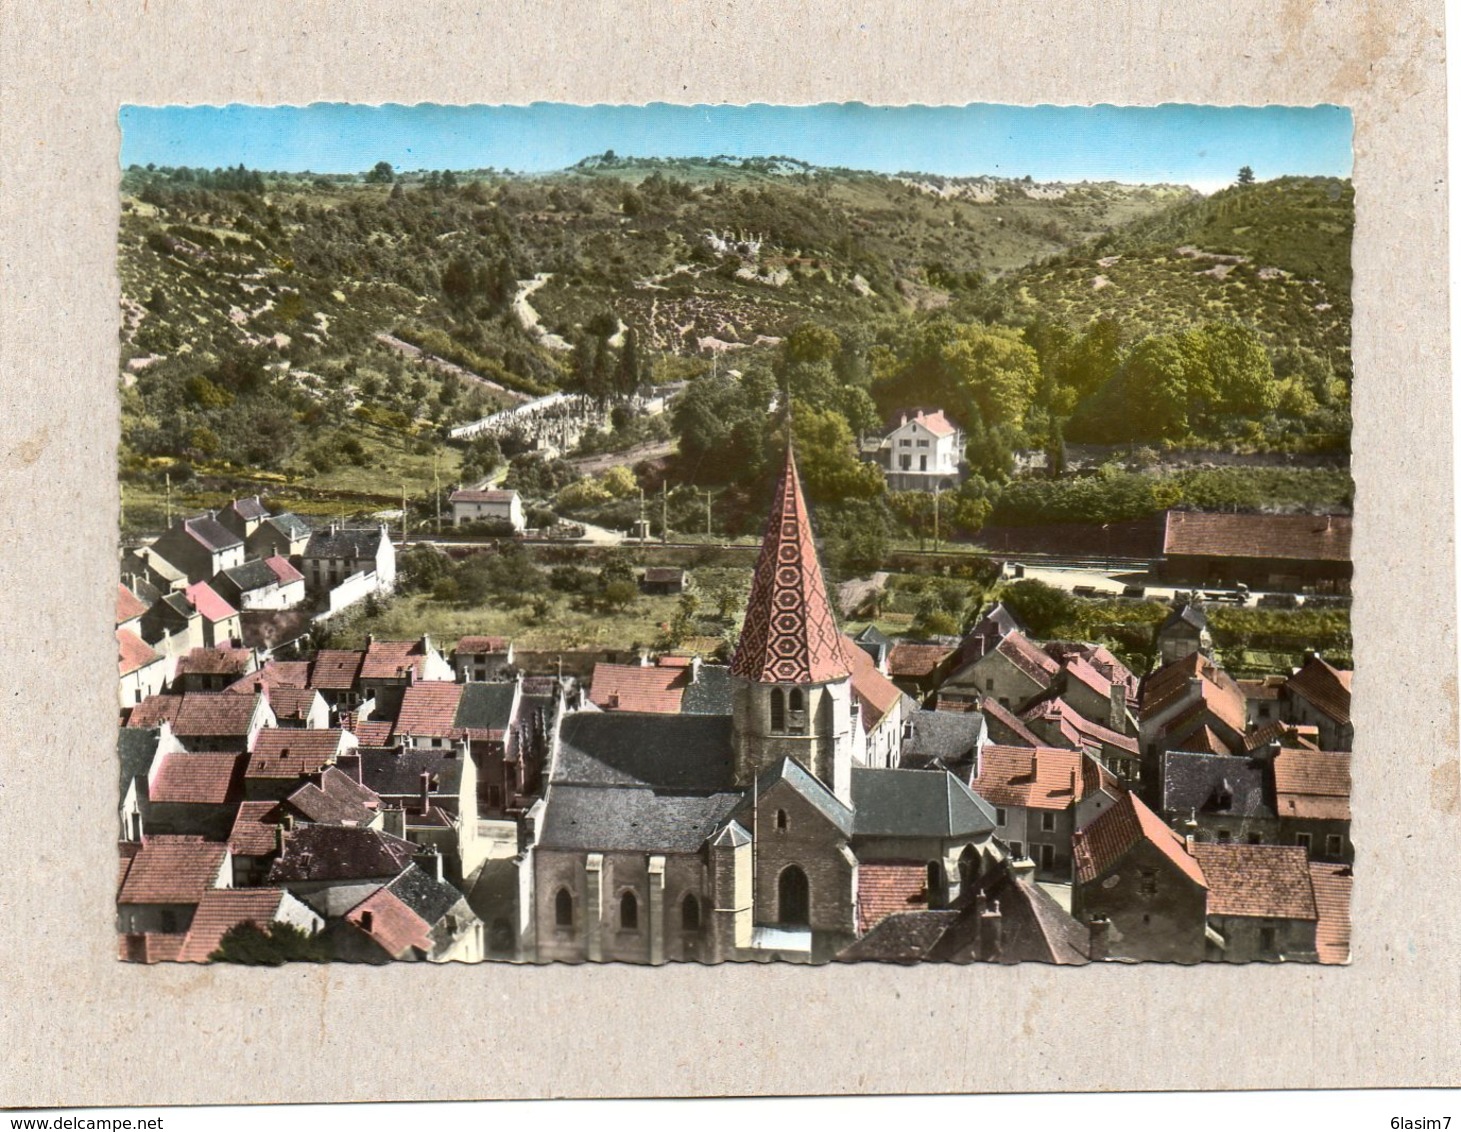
(791, 681)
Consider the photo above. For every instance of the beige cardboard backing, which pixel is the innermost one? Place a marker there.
(80, 1028)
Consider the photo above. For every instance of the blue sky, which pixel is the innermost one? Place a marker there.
(1198, 145)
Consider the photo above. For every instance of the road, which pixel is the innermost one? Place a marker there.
(529, 317)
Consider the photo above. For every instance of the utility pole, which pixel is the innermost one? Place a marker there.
(707, 495)
(643, 523)
(935, 518)
(664, 511)
(167, 479)
(403, 514)
(436, 486)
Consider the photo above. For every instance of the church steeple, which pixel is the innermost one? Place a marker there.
(791, 688)
(790, 635)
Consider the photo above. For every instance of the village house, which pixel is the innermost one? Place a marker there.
(1310, 797)
(482, 658)
(284, 535)
(223, 909)
(1034, 793)
(130, 609)
(918, 667)
(1219, 798)
(212, 669)
(1301, 553)
(664, 580)
(217, 721)
(244, 517)
(1183, 633)
(172, 625)
(944, 740)
(164, 879)
(200, 547)
(149, 575)
(280, 758)
(1054, 723)
(1138, 887)
(332, 868)
(1008, 918)
(389, 667)
(337, 553)
(262, 583)
(416, 917)
(292, 707)
(1317, 694)
(924, 451)
(332, 797)
(475, 505)
(1011, 673)
(1260, 903)
(335, 674)
(194, 792)
(1189, 705)
(141, 670)
(219, 620)
(429, 797)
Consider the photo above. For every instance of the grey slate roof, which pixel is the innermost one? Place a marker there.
(396, 773)
(485, 707)
(135, 748)
(710, 694)
(253, 575)
(211, 533)
(249, 508)
(949, 737)
(873, 642)
(1203, 782)
(806, 784)
(675, 752)
(916, 803)
(429, 898)
(903, 937)
(290, 525)
(1034, 928)
(347, 542)
(340, 852)
(631, 819)
(1188, 615)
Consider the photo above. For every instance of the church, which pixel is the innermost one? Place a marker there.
(760, 834)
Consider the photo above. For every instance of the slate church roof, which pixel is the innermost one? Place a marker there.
(790, 635)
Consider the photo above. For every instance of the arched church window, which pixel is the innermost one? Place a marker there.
(937, 898)
(690, 913)
(794, 898)
(778, 710)
(781, 821)
(629, 912)
(797, 716)
(563, 909)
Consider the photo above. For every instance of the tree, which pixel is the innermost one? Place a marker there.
(1043, 609)
(382, 174)
(1245, 175)
(272, 945)
(827, 458)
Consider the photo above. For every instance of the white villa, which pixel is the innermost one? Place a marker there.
(924, 452)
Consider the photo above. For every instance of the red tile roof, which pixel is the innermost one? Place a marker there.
(999, 715)
(482, 645)
(337, 800)
(336, 670)
(790, 634)
(1042, 778)
(129, 605)
(1324, 686)
(223, 661)
(915, 660)
(154, 711)
(1077, 729)
(394, 927)
(1332, 887)
(1257, 880)
(429, 708)
(1311, 784)
(172, 870)
(215, 713)
(885, 889)
(293, 752)
(293, 704)
(1307, 538)
(1106, 840)
(387, 660)
(274, 674)
(636, 687)
(283, 570)
(254, 833)
(373, 733)
(206, 601)
(1289, 734)
(222, 909)
(877, 694)
(935, 421)
(196, 778)
(1033, 662)
(133, 653)
(1218, 692)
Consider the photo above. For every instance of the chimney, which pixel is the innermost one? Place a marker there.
(395, 823)
(425, 790)
(991, 933)
(429, 861)
(1072, 781)
(1100, 938)
(1023, 870)
(694, 670)
(1118, 707)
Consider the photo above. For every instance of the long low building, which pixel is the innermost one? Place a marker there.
(1264, 552)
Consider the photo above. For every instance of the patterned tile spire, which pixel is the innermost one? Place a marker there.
(790, 635)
